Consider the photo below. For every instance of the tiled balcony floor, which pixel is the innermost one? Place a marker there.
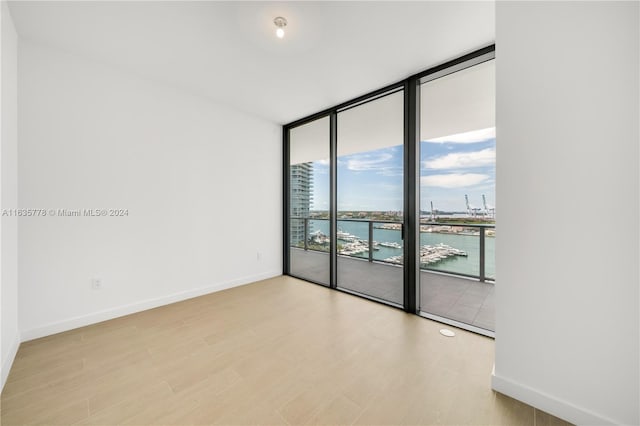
(460, 299)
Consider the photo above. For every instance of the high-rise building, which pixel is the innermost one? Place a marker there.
(301, 190)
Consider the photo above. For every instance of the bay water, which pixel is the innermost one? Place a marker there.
(470, 244)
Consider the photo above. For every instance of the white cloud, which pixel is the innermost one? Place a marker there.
(460, 160)
(366, 162)
(391, 171)
(467, 137)
(454, 180)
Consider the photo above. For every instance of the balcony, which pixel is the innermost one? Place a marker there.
(456, 270)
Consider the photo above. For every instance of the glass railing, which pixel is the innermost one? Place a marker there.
(454, 248)
(379, 240)
(309, 234)
(458, 248)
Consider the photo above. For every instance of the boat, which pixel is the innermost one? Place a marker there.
(391, 245)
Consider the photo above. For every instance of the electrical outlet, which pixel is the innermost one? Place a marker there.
(96, 283)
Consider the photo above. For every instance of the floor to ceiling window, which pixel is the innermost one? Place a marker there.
(309, 239)
(457, 194)
(370, 139)
(391, 196)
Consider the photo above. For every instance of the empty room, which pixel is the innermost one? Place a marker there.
(320, 212)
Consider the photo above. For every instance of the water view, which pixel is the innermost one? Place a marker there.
(389, 245)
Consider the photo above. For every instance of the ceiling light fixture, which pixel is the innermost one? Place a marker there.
(280, 23)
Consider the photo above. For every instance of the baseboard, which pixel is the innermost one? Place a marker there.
(548, 403)
(8, 361)
(81, 321)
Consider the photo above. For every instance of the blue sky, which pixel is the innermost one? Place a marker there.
(450, 167)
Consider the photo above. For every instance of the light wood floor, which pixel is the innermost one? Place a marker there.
(280, 351)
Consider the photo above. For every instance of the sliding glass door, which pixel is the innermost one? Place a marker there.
(391, 196)
(370, 139)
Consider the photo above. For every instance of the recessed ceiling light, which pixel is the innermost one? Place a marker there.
(280, 23)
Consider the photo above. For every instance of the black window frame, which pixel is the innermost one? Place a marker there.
(411, 88)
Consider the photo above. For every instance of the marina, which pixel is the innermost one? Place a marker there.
(430, 255)
(353, 236)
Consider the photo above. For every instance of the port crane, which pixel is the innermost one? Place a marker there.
(488, 210)
(471, 210)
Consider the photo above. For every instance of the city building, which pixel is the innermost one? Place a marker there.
(301, 198)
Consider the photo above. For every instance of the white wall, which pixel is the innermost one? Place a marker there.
(201, 182)
(10, 339)
(567, 321)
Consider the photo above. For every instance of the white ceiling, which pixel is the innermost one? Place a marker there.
(455, 107)
(228, 52)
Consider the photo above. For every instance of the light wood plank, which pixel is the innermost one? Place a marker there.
(280, 351)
